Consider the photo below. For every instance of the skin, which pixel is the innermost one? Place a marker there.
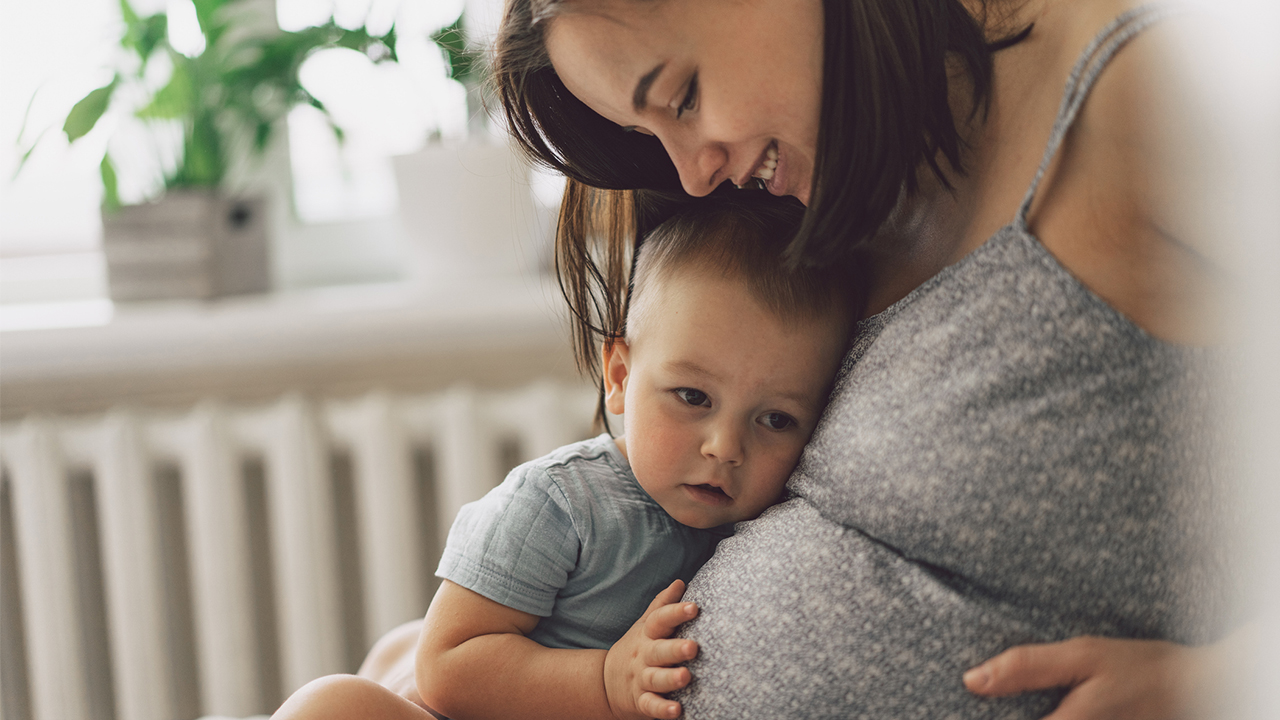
(703, 408)
(1110, 209)
(1116, 207)
(714, 425)
(473, 660)
(602, 55)
(725, 395)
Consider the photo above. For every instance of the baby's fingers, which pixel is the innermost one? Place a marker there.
(665, 680)
(671, 594)
(665, 653)
(661, 623)
(656, 706)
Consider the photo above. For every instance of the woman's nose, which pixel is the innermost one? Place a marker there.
(724, 444)
(702, 165)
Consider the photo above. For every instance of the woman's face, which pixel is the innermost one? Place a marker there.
(732, 88)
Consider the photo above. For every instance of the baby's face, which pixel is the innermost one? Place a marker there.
(720, 397)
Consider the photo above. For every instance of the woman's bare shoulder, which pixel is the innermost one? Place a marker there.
(1118, 206)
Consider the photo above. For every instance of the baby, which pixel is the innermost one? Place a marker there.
(721, 376)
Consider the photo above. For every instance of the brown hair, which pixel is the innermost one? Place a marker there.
(744, 239)
(886, 112)
(733, 234)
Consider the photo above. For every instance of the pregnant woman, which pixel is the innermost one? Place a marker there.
(1019, 449)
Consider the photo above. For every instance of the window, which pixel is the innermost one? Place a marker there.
(50, 229)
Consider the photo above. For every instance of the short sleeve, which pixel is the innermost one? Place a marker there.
(517, 545)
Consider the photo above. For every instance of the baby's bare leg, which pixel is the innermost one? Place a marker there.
(390, 662)
(347, 697)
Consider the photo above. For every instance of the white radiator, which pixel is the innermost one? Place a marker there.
(162, 566)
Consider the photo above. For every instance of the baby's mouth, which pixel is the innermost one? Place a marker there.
(709, 494)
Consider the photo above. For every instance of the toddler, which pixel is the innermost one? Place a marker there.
(721, 376)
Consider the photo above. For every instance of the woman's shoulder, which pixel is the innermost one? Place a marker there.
(1118, 204)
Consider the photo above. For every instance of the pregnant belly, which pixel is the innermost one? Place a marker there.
(803, 617)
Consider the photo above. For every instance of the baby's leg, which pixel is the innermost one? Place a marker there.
(390, 662)
(347, 697)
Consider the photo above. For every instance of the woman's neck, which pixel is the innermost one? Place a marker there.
(923, 234)
(936, 226)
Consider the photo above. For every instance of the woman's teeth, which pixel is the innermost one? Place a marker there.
(770, 164)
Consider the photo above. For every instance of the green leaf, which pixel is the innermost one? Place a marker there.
(110, 185)
(219, 17)
(26, 114)
(202, 161)
(389, 40)
(261, 135)
(142, 35)
(357, 39)
(86, 113)
(131, 23)
(175, 100)
(22, 161)
(205, 11)
(155, 30)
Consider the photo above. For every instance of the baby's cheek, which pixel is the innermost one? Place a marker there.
(670, 444)
(659, 447)
(787, 462)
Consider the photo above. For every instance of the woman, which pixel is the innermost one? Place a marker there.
(1018, 451)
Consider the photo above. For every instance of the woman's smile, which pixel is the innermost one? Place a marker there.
(677, 70)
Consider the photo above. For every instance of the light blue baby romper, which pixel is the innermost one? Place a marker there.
(573, 538)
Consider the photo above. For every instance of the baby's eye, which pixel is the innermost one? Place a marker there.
(691, 396)
(777, 421)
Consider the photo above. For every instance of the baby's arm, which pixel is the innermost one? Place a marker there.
(474, 660)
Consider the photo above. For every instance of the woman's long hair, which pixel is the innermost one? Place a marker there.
(886, 113)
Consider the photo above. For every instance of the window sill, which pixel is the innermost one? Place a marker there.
(493, 332)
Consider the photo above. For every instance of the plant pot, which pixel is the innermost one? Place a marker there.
(468, 211)
(189, 244)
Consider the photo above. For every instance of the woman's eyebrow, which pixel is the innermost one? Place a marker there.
(640, 98)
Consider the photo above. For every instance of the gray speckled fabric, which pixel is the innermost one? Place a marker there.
(1005, 459)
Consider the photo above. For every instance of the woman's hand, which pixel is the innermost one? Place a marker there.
(1108, 678)
(639, 667)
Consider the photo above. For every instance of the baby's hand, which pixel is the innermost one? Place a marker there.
(639, 667)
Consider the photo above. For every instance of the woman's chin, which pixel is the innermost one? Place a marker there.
(801, 194)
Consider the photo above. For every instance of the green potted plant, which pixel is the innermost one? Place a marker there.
(195, 241)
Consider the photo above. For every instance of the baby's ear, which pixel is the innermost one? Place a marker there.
(617, 365)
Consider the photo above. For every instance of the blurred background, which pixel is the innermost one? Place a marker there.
(276, 299)
(382, 196)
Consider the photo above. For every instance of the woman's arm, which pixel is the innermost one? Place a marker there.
(474, 660)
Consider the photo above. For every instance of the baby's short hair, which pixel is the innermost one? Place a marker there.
(747, 239)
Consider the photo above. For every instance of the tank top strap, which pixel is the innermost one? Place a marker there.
(1084, 75)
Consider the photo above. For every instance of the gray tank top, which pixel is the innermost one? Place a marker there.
(1006, 459)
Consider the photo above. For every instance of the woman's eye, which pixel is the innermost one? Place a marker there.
(690, 97)
(691, 396)
(777, 421)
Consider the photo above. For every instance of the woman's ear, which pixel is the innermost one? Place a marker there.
(617, 365)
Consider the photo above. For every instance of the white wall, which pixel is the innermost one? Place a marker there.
(1235, 66)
